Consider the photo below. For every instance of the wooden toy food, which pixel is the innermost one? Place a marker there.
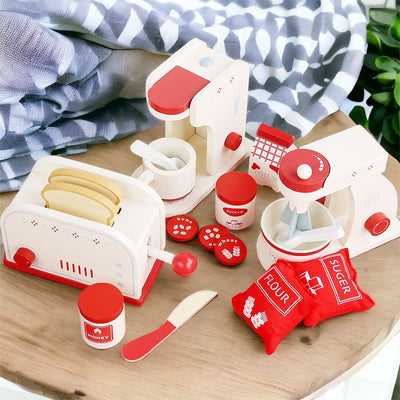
(102, 315)
(209, 235)
(182, 228)
(274, 304)
(332, 282)
(230, 250)
(88, 180)
(80, 201)
(235, 200)
(82, 193)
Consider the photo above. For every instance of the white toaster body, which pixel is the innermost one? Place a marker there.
(81, 252)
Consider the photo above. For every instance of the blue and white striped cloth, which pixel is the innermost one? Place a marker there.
(72, 72)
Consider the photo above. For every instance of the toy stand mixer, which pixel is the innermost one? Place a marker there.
(202, 97)
(344, 173)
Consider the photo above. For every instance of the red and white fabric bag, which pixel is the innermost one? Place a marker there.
(332, 282)
(274, 304)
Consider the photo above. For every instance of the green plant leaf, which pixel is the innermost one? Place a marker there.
(396, 123)
(365, 81)
(387, 63)
(396, 90)
(373, 38)
(391, 149)
(388, 133)
(357, 114)
(386, 77)
(369, 60)
(395, 27)
(376, 118)
(383, 97)
(387, 39)
(381, 16)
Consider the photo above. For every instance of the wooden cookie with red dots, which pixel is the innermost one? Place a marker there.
(230, 251)
(210, 234)
(182, 228)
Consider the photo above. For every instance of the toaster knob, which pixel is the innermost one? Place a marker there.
(184, 263)
(24, 257)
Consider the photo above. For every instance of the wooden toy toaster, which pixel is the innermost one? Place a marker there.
(79, 249)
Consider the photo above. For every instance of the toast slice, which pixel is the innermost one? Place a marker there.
(88, 180)
(79, 201)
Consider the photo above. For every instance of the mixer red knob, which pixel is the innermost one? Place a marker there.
(377, 223)
(24, 257)
(233, 141)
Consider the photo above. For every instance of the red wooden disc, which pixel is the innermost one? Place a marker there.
(182, 228)
(230, 250)
(210, 234)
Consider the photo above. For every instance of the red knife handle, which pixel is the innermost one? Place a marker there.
(141, 347)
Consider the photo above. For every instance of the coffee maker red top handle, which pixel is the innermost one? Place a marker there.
(303, 170)
(173, 93)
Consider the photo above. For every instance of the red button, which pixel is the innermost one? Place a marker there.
(233, 141)
(24, 257)
(230, 251)
(101, 303)
(236, 188)
(377, 223)
(182, 228)
(209, 235)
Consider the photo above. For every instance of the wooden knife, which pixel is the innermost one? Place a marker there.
(141, 347)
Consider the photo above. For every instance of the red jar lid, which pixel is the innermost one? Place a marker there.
(101, 303)
(236, 188)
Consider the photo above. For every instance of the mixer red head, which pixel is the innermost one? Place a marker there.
(304, 170)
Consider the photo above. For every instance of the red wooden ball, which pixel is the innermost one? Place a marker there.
(184, 263)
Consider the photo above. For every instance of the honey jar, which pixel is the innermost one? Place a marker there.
(102, 315)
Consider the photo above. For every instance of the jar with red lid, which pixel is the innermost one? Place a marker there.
(102, 315)
(235, 200)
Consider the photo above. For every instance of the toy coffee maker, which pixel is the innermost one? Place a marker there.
(202, 97)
